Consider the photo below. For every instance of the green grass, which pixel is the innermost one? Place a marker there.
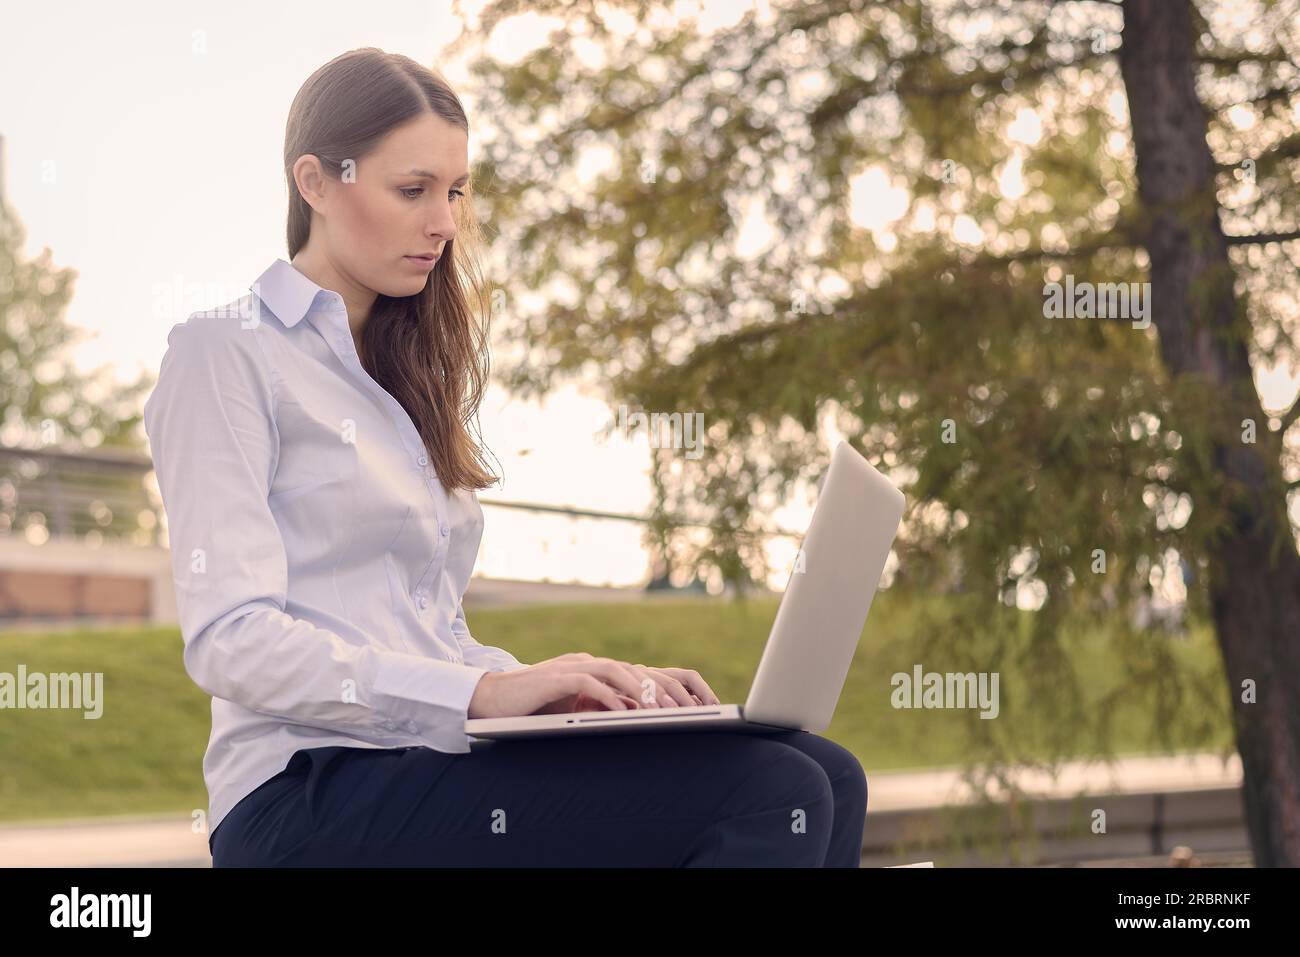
(145, 754)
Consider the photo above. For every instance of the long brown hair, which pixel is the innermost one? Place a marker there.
(428, 350)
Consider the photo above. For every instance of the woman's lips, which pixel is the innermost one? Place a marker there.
(422, 260)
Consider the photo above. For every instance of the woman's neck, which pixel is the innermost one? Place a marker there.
(356, 298)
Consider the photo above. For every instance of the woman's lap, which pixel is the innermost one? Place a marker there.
(646, 800)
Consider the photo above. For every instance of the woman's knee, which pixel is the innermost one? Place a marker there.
(848, 779)
(779, 813)
(782, 778)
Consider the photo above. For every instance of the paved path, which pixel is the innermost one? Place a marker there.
(169, 841)
(910, 790)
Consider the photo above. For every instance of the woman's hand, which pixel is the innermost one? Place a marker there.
(660, 688)
(580, 682)
(679, 686)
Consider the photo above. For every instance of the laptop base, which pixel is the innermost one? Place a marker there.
(727, 717)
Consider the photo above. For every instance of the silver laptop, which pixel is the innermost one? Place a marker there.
(813, 638)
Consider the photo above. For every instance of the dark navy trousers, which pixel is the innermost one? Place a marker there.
(662, 799)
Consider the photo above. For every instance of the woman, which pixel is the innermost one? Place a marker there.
(319, 479)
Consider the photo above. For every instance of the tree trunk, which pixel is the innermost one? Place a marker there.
(1254, 575)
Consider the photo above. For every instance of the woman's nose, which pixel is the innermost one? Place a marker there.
(443, 227)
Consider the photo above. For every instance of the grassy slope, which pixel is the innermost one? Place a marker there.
(145, 753)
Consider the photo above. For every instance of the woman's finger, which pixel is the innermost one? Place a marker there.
(617, 675)
(675, 692)
(597, 690)
(695, 684)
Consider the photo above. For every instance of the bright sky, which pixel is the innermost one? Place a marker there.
(144, 151)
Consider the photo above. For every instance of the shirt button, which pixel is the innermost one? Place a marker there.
(445, 530)
(423, 460)
(412, 727)
(424, 602)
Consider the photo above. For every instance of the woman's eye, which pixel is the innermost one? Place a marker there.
(420, 189)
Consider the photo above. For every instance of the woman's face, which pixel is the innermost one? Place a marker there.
(398, 205)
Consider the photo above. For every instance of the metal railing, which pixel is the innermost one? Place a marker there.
(105, 493)
(111, 495)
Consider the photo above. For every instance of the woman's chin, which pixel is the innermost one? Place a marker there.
(403, 286)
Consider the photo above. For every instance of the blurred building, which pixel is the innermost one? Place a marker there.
(80, 538)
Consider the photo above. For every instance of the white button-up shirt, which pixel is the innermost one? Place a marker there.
(319, 565)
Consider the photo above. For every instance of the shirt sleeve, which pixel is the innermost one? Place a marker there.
(214, 440)
(481, 656)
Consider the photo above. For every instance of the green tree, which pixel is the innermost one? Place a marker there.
(46, 402)
(48, 405)
(1061, 463)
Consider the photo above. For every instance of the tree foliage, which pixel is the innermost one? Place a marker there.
(915, 328)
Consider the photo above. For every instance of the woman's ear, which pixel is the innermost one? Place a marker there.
(309, 177)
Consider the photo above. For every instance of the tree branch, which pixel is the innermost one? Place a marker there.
(1290, 418)
(1081, 251)
(1237, 59)
(1259, 238)
(1272, 94)
(1115, 240)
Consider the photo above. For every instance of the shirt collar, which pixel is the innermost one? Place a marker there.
(289, 294)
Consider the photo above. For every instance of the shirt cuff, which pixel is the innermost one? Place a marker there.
(424, 700)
